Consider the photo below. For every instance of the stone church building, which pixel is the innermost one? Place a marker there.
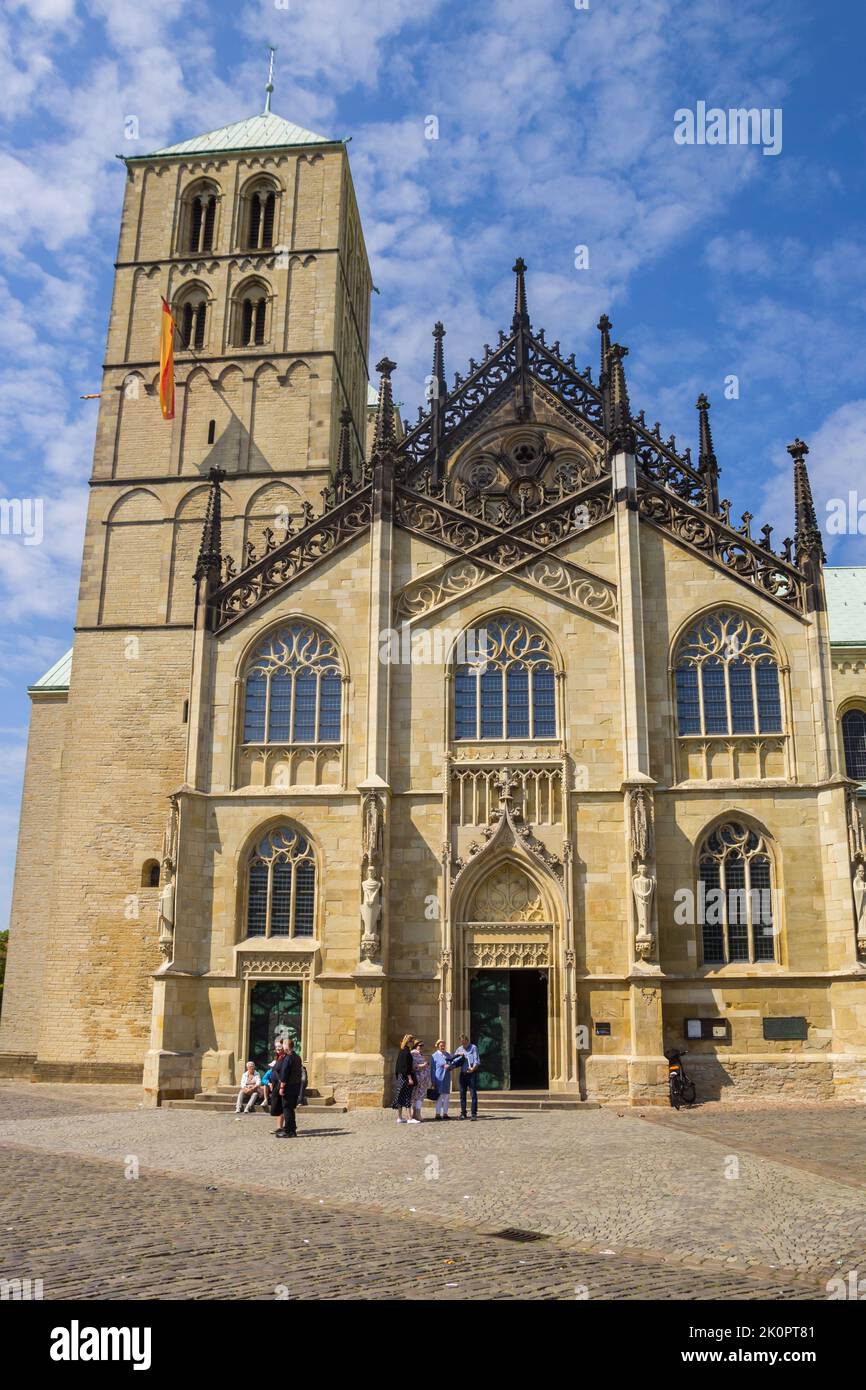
(494, 722)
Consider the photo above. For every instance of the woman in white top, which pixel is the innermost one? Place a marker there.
(251, 1090)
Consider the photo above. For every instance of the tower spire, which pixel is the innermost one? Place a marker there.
(808, 544)
(621, 429)
(707, 463)
(344, 453)
(437, 402)
(270, 84)
(210, 550)
(521, 313)
(604, 326)
(383, 437)
(439, 386)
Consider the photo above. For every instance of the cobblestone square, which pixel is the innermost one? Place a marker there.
(754, 1203)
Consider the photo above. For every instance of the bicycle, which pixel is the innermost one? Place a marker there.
(680, 1087)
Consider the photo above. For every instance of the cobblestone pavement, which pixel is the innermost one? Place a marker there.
(827, 1140)
(654, 1194)
(104, 1237)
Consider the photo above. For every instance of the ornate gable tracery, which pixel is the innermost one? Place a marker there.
(505, 506)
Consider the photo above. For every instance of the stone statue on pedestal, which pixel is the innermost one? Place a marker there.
(643, 886)
(371, 907)
(859, 887)
(165, 910)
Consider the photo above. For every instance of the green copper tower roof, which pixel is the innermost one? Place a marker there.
(263, 132)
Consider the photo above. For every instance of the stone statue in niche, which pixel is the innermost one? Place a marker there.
(643, 887)
(373, 828)
(859, 887)
(641, 826)
(371, 907)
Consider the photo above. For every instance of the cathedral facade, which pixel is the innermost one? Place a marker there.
(496, 722)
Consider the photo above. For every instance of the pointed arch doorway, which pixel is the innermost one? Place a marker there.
(505, 978)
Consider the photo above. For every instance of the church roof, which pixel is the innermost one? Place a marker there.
(57, 678)
(846, 604)
(262, 132)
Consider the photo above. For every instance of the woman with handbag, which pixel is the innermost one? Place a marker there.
(404, 1080)
(421, 1068)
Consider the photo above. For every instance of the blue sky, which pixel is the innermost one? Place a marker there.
(555, 130)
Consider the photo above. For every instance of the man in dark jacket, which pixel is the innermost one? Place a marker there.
(288, 1074)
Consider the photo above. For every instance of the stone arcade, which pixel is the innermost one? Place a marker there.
(238, 819)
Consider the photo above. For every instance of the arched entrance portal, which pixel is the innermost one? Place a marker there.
(506, 978)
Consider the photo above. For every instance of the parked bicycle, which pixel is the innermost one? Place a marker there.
(681, 1088)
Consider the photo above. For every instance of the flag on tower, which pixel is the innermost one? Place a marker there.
(166, 363)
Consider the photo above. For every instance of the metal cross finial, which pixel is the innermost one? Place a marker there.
(270, 87)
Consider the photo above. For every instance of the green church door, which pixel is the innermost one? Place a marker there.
(508, 1013)
(275, 1012)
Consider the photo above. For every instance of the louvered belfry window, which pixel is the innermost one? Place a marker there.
(253, 314)
(191, 324)
(201, 220)
(262, 205)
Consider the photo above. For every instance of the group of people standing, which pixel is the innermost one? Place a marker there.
(417, 1077)
(281, 1088)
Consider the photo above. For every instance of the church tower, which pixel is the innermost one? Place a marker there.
(251, 233)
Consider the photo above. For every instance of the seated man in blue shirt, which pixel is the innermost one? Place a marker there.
(469, 1068)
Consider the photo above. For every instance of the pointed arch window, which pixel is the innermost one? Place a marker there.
(736, 901)
(509, 691)
(293, 692)
(854, 743)
(726, 678)
(281, 885)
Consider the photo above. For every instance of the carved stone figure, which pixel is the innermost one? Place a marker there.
(373, 828)
(643, 887)
(165, 910)
(371, 892)
(860, 906)
(641, 825)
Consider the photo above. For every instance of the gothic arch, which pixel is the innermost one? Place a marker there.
(245, 852)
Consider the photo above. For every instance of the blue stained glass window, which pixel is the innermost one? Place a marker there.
(305, 897)
(742, 704)
(688, 701)
(715, 702)
(306, 683)
(760, 885)
(769, 706)
(712, 929)
(737, 905)
(491, 704)
(543, 702)
(329, 711)
(854, 742)
(280, 725)
(254, 711)
(465, 713)
(517, 702)
(257, 909)
(281, 899)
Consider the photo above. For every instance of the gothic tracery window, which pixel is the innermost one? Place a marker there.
(281, 892)
(294, 688)
(727, 678)
(736, 907)
(854, 743)
(509, 691)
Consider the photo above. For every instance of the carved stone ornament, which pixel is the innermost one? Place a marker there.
(859, 888)
(371, 907)
(641, 825)
(643, 887)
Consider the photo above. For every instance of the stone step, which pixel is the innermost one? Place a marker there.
(226, 1105)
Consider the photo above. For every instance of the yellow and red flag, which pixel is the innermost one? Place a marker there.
(166, 363)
